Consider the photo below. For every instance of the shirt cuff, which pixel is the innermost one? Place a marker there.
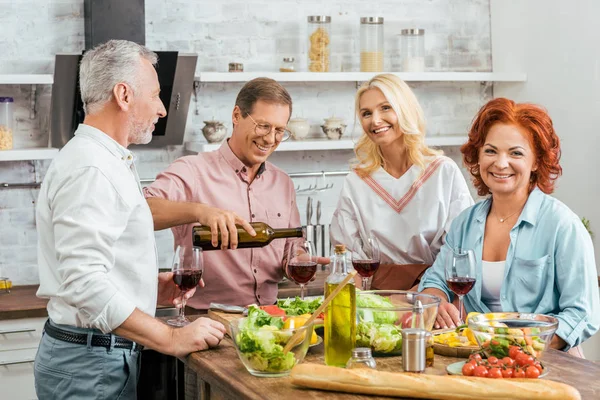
(116, 311)
(569, 333)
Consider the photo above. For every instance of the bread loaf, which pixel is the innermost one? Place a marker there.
(368, 381)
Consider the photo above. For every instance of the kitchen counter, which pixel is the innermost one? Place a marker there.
(22, 302)
(222, 375)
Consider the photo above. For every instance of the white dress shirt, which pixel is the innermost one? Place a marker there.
(409, 216)
(96, 250)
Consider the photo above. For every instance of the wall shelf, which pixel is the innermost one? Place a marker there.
(26, 79)
(344, 144)
(45, 153)
(362, 76)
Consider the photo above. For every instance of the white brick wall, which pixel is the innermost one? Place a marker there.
(257, 33)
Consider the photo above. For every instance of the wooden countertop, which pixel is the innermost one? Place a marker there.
(22, 302)
(222, 375)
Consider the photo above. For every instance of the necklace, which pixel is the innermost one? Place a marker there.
(505, 218)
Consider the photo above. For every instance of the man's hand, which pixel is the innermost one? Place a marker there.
(168, 293)
(224, 221)
(201, 334)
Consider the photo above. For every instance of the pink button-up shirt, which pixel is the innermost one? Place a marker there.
(219, 179)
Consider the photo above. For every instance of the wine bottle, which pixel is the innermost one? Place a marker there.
(202, 236)
(340, 317)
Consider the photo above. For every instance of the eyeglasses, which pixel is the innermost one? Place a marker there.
(281, 134)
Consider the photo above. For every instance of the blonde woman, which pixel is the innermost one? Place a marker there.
(400, 191)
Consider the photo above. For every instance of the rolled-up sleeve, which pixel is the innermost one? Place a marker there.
(576, 281)
(89, 216)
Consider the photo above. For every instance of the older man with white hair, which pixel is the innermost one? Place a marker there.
(96, 252)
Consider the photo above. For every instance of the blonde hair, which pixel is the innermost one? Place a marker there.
(410, 121)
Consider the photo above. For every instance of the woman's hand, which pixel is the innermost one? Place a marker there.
(447, 317)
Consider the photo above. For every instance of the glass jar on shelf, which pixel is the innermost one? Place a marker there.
(6, 123)
(288, 65)
(236, 67)
(412, 50)
(319, 43)
(371, 44)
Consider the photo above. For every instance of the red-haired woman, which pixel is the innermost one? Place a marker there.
(533, 253)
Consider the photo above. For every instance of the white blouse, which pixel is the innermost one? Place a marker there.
(408, 216)
(493, 276)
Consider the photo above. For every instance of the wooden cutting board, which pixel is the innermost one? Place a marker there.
(224, 318)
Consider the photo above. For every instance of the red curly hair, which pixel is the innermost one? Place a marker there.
(542, 137)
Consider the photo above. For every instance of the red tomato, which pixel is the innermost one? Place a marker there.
(476, 357)
(467, 369)
(507, 372)
(524, 360)
(509, 362)
(273, 310)
(480, 371)
(538, 365)
(519, 373)
(514, 351)
(494, 373)
(493, 360)
(532, 372)
(473, 362)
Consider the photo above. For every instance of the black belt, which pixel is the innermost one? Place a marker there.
(98, 340)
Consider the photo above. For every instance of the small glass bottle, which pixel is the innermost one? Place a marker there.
(288, 65)
(319, 43)
(340, 317)
(371, 44)
(236, 67)
(361, 358)
(412, 48)
(6, 123)
(202, 236)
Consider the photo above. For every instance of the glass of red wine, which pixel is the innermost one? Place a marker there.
(460, 274)
(302, 263)
(188, 267)
(366, 257)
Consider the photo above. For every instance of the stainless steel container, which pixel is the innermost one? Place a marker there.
(414, 344)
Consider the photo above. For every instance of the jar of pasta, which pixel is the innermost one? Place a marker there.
(6, 123)
(319, 43)
(371, 44)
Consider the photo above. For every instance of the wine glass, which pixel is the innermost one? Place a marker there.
(460, 274)
(366, 257)
(302, 263)
(188, 267)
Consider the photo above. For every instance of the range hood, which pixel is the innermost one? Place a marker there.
(118, 19)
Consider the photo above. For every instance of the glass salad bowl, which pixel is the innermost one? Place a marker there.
(382, 314)
(260, 348)
(496, 332)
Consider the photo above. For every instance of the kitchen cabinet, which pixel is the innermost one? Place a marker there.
(19, 341)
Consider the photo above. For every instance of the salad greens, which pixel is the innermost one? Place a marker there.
(260, 342)
(377, 329)
(297, 306)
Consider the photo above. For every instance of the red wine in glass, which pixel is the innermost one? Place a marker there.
(461, 285)
(187, 279)
(302, 272)
(365, 268)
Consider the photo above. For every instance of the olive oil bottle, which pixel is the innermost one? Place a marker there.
(340, 318)
(201, 236)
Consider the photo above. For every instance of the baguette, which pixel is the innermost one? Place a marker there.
(367, 381)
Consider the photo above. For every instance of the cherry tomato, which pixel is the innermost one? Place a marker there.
(480, 371)
(513, 351)
(518, 373)
(467, 369)
(532, 372)
(507, 372)
(509, 362)
(473, 363)
(493, 360)
(538, 365)
(494, 373)
(524, 360)
(476, 357)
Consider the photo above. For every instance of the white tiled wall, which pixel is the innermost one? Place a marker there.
(257, 33)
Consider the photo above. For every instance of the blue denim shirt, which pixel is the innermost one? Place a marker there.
(550, 267)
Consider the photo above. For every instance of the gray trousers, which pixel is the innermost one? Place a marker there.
(65, 370)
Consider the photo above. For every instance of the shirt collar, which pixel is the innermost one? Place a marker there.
(235, 162)
(529, 213)
(107, 142)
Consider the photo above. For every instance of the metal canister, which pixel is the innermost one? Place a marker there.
(414, 344)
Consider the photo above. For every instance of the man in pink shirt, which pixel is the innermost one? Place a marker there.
(237, 177)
